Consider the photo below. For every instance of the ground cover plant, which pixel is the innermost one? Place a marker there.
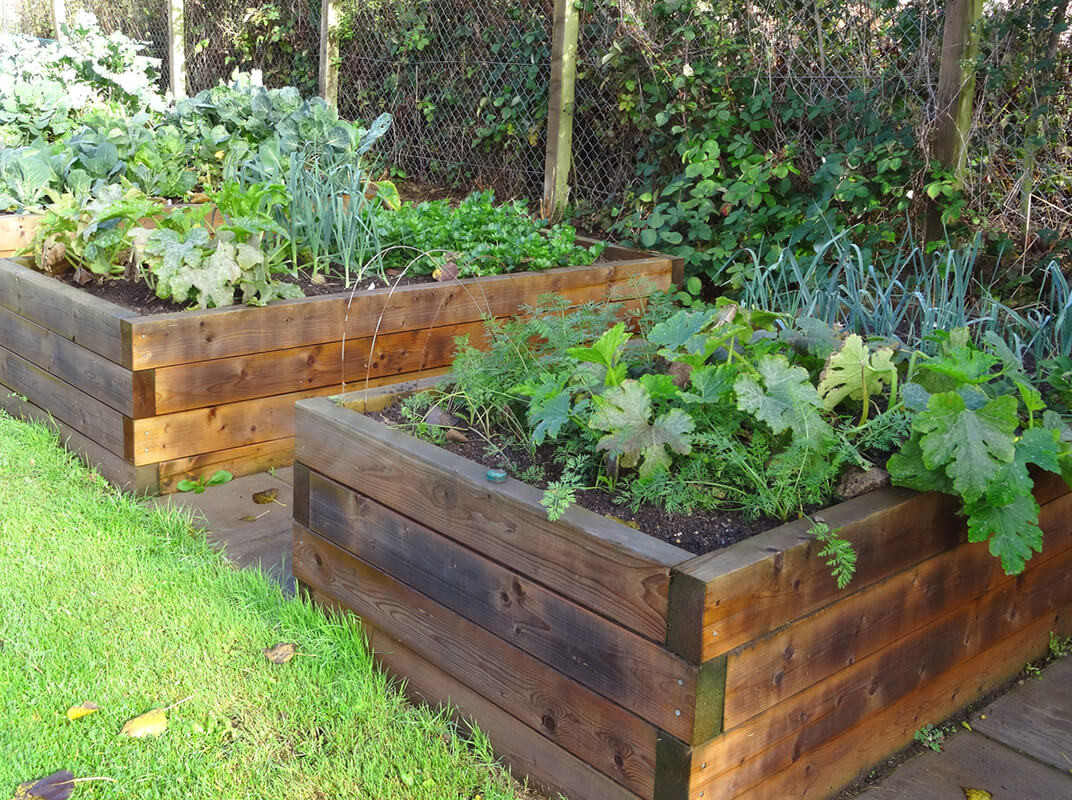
(756, 412)
(110, 612)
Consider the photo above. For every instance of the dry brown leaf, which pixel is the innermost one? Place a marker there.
(151, 723)
(447, 272)
(265, 497)
(281, 653)
(82, 710)
(455, 435)
(57, 786)
(976, 794)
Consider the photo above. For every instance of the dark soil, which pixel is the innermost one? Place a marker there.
(698, 533)
(137, 296)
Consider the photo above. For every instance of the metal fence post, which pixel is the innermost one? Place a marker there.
(329, 52)
(560, 109)
(177, 47)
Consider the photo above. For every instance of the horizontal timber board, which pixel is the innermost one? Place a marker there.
(94, 374)
(761, 674)
(227, 380)
(238, 461)
(761, 583)
(603, 565)
(526, 752)
(775, 738)
(634, 672)
(17, 231)
(90, 417)
(837, 762)
(206, 430)
(612, 740)
(93, 323)
(178, 338)
(111, 466)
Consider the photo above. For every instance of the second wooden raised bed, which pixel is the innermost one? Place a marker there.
(152, 399)
(611, 666)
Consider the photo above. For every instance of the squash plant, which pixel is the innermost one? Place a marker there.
(738, 409)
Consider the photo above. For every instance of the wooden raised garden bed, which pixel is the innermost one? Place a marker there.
(607, 664)
(17, 231)
(153, 399)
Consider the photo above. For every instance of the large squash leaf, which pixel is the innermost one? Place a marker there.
(625, 412)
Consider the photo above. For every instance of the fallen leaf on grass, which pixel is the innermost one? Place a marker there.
(82, 710)
(57, 786)
(151, 723)
(976, 794)
(265, 497)
(281, 653)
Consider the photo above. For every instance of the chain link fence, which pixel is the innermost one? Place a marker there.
(467, 82)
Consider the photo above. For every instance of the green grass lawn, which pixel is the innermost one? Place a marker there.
(102, 600)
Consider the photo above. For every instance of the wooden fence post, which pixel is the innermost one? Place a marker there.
(59, 19)
(177, 48)
(329, 52)
(956, 91)
(560, 109)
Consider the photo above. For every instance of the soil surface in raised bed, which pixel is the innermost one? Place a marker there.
(698, 533)
(136, 295)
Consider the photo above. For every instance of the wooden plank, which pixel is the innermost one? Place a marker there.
(837, 762)
(761, 583)
(527, 753)
(168, 339)
(603, 565)
(778, 666)
(207, 430)
(88, 416)
(71, 313)
(111, 466)
(782, 734)
(97, 376)
(238, 461)
(17, 231)
(614, 741)
(634, 672)
(228, 380)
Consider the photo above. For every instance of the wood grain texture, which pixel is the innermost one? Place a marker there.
(99, 377)
(238, 461)
(69, 405)
(763, 582)
(183, 337)
(140, 480)
(778, 666)
(634, 672)
(837, 762)
(207, 430)
(228, 380)
(526, 752)
(776, 738)
(600, 564)
(17, 231)
(612, 740)
(71, 313)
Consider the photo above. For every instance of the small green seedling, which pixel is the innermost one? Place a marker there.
(199, 486)
(931, 736)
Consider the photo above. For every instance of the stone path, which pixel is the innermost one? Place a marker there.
(1019, 748)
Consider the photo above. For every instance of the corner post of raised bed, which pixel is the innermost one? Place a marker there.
(59, 19)
(329, 52)
(560, 108)
(177, 47)
(956, 92)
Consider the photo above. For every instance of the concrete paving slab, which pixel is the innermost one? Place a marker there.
(250, 534)
(971, 760)
(1036, 718)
